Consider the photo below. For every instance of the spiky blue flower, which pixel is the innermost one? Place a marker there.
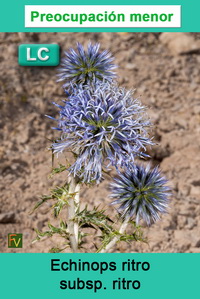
(102, 126)
(142, 193)
(82, 67)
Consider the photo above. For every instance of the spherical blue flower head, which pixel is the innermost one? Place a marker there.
(82, 67)
(141, 193)
(103, 126)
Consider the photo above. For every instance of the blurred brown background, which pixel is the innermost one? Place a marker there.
(164, 70)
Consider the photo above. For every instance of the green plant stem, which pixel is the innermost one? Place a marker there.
(115, 239)
(74, 189)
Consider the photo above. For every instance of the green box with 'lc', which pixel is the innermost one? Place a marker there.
(39, 54)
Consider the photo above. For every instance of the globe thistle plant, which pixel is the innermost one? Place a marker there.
(102, 126)
(142, 193)
(85, 66)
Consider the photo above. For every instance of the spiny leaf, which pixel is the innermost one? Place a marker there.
(63, 225)
(56, 170)
(44, 198)
(59, 206)
(137, 235)
(53, 228)
(57, 249)
(57, 230)
(95, 217)
(40, 235)
(81, 236)
(60, 194)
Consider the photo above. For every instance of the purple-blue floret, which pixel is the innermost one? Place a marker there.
(103, 126)
(84, 66)
(142, 193)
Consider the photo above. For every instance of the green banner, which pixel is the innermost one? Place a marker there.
(13, 16)
(103, 275)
